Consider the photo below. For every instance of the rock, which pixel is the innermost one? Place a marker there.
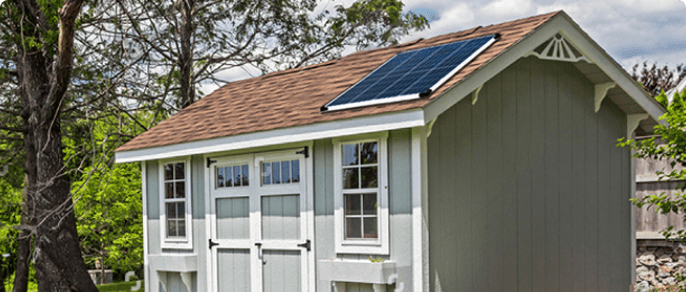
(647, 259)
(665, 258)
(663, 273)
(682, 259)
(647, 276)
(669, 281)
(643, 286)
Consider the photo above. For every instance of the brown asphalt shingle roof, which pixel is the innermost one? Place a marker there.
(294, 97)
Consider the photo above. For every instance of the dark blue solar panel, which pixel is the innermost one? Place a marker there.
(411, 72)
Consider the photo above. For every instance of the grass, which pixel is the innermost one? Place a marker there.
(119, 287)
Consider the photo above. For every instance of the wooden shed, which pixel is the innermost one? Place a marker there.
(503, 175)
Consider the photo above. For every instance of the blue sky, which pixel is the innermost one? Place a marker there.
(631, 31)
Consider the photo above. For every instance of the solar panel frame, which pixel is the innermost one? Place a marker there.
(403, 97)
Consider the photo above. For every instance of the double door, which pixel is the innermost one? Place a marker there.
(259, 222)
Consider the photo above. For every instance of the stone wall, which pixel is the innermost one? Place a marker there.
(658, 262)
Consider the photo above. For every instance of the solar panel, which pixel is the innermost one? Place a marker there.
(411, 74)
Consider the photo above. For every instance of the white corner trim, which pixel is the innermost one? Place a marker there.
(632, 122)
(419, 191)
(146, 239)
(601, 92)
(338, 128)
(475, 94)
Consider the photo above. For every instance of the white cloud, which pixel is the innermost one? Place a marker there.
(507, 8)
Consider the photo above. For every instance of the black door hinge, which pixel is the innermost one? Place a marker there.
(212, 243)
(304, 152)
(306, 245)
(210, 161)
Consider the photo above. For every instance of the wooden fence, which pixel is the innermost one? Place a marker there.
(648, 222)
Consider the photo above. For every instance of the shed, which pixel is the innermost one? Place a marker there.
(503, 175)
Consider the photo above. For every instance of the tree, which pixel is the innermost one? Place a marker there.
(42, 33)
(191, 41)
(657, 80)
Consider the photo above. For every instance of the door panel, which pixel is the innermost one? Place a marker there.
(281, 271)
(232, 218)
(281, 217)
(233, 266)
(258, 224)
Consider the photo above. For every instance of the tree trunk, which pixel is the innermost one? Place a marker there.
(21, 273)
(186, 57)
(43, 81)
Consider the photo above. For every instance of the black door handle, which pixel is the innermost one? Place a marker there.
(212, 243)
(306, 245)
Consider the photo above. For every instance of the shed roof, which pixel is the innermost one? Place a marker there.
(294, 97)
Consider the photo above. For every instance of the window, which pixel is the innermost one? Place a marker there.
(175, 209)
(361, 194)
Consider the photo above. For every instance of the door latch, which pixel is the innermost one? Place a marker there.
(306, 245)
(212, 243)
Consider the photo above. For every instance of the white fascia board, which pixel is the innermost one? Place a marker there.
(560, 23)
(354, 126)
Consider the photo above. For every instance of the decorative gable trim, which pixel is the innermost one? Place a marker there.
(559, 48)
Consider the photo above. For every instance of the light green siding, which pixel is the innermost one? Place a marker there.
(527, 190)
(400, 220)
(199, 237)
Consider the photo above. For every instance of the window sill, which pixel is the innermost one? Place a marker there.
(357, 271)
(173, 263)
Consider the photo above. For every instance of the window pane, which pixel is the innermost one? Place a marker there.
(370, 228)
(169, 190)
(171, 228)
(370, 204)
(353, 228)
(369, 177)
(229, 176)
(286, 171)
(236, 176)
(179, 171)
(181, 225)
(246, 175)
(276, 173)
(296, 170)
(266, 173)
(220, 177)
(180, 189)
(351, 178)
(171, 210)
(369, 152)
(352, 204)
(350, 153)
(168, 172)
(180, 210)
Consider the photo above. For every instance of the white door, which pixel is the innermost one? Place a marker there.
(259, 223)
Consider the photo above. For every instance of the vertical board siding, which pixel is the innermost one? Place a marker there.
(281, 271)
(234, 265)
(534, 187)
(400, 210)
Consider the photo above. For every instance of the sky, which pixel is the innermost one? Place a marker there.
(631, 31)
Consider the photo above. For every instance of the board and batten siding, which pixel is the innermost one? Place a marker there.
(174, 283)
(527, 189)
(400, 215)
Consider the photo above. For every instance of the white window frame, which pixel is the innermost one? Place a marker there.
(380, 246)
(176, 242)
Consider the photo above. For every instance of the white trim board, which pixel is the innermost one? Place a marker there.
(361, 125)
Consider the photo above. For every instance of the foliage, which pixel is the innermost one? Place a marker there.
(657, 80)
(669, 143)
(119, 287)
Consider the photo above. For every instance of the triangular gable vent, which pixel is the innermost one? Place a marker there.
(558, 48)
